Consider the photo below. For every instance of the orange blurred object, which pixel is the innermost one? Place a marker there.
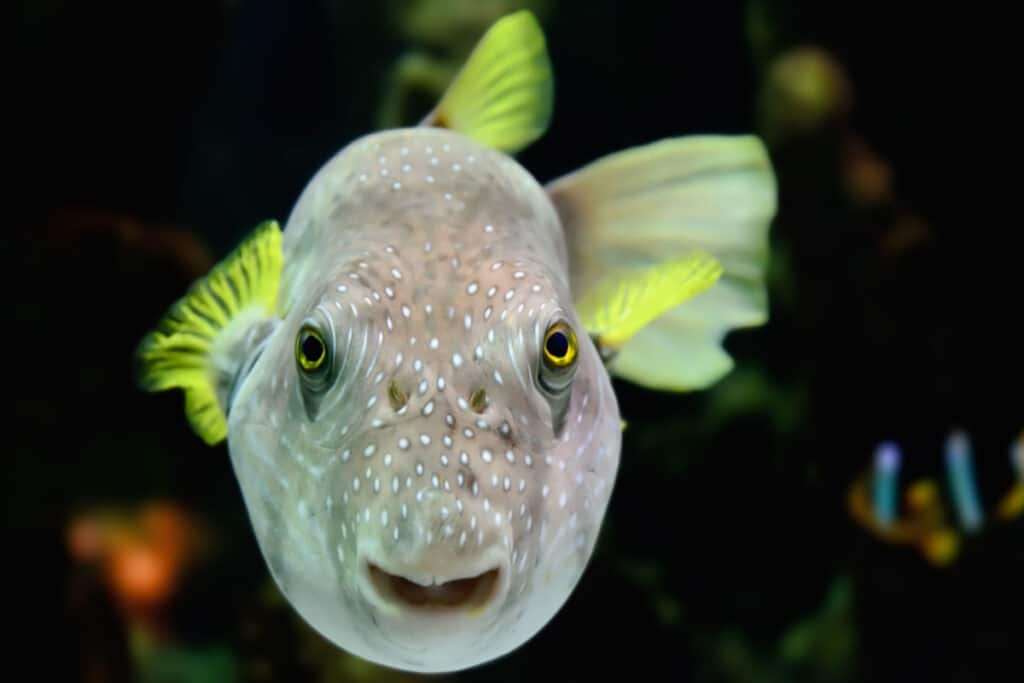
(142, 553)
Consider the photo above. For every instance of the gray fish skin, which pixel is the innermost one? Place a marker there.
(435, 263)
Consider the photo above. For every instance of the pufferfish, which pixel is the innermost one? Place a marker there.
(413, 377)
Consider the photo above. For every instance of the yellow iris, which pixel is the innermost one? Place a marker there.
(559, 346)
(310, 349)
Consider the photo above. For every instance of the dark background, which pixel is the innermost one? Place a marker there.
(144, 140)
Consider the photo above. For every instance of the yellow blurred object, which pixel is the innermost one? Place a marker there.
(1012, 505)
(924, 525)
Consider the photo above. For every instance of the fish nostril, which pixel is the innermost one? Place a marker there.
(479, 401)
(397, 397)
(466, 593)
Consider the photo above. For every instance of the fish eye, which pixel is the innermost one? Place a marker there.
(558, 355)
(559, 346)
(310, 349)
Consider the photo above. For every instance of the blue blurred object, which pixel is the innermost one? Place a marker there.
(885, 482)
(961, 479)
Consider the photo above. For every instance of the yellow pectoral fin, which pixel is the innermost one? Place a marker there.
(191, 344)
(502, 96)
(625, 302)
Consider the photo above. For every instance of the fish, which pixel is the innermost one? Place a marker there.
(414, 377)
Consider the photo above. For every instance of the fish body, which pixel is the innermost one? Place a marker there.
(445, 294)
(414, 377)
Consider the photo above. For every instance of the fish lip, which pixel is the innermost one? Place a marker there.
(380, 580)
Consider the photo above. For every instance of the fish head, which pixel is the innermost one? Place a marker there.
(425, 466)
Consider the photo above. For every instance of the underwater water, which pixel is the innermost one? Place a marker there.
(845, 505)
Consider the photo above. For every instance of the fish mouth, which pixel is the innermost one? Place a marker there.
(468, 593)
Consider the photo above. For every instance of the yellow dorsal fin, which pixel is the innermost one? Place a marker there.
(629, 300)
(191, 346)
(502, 96)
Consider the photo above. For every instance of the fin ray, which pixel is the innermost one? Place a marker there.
(181, 353)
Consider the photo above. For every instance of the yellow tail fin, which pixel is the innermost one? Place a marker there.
(502, 97)
(647, 206)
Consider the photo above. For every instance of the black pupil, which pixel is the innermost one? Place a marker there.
(557, 344)
(312, 349)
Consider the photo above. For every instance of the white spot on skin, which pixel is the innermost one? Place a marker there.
(425, 439)
(422, 389)
(430, 178)
(497, 377)
(440, 384)
(397, 273)
(434, 343)
(406, 311)
(467, 321)
(403, 443)
(369, 450)
(428, 408)
(519, 275)
(509, 294)
(396, 185)
(472, 287)
(487, 455)
(457, 360)
(464, 458)
(561, 500)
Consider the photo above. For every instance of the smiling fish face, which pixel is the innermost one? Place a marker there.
(414, 377)
(438, 467)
